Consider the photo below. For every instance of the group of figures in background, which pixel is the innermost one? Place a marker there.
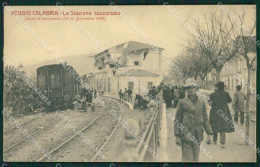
(85, 99)
(127, 95)
(172, 95)
(140, 102)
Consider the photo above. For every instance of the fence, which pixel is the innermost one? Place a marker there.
(149, 127)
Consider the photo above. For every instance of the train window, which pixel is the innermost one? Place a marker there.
(52, 80)
(55, 80)
(42, 81)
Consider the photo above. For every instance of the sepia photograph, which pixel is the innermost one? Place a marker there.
(129, 83)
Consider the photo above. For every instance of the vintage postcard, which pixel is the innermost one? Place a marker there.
(119, 83)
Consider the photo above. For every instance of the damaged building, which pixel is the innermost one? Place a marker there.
(133, 65)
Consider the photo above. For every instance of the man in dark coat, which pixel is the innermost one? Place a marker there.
(120, 93)
(164, 93)
(176, 96)
(172, 93)
(129, 93)
(152, 93)
(220, 117)
(182, 93)
(239, 104)
(89, 96)
(167, 97)
(83, 93)
(191, 120)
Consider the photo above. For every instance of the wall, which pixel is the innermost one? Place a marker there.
(140, 83)
(150, 63)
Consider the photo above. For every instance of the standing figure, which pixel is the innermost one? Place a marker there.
(125, 94)
(176, 97)
(172, 93)
(129, 93)
(83, 97)
(238, 104)
(182, 93)
(89, 97)
(95, 93)
(220, 117)
(191, 120)
(167, 97)
(152, 93)
(120, 94)
(83, 93)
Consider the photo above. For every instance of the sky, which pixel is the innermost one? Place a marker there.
(154, 24)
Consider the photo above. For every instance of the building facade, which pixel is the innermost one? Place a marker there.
(133, 65)
(235, 73)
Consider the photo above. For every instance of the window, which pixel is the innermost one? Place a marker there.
(131, 85)
(149, 85)
(136, 63)
(55, 79)
(42, 81)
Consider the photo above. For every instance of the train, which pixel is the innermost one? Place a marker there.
(60, 84)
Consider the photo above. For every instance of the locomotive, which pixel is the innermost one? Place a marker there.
(60, 84)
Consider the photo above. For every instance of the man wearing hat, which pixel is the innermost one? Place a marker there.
(190, 122)
(220, 117)
(238, 104)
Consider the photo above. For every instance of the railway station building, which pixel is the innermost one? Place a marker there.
(133, 65)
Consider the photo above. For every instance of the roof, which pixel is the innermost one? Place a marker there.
(138, 73)
(133, 46)
(56, 66)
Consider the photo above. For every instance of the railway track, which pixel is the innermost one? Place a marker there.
(21, 133)
(13, 128)
(69, 143)
(68, 140)
(15, 151)
(101, 148)
(24, 139)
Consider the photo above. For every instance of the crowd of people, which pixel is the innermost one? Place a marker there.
(139, 101)
(191, 117)
(172, 95)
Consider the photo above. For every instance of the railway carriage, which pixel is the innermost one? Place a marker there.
(60, 84)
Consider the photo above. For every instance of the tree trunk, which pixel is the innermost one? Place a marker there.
(218, 75)
(248, 102)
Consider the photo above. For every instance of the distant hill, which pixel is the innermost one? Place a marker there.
(81, 63)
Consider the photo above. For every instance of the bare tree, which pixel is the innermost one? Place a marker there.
(247, 44)
(210, 42)
(183, 67)
(191, 64)
(200, 63)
